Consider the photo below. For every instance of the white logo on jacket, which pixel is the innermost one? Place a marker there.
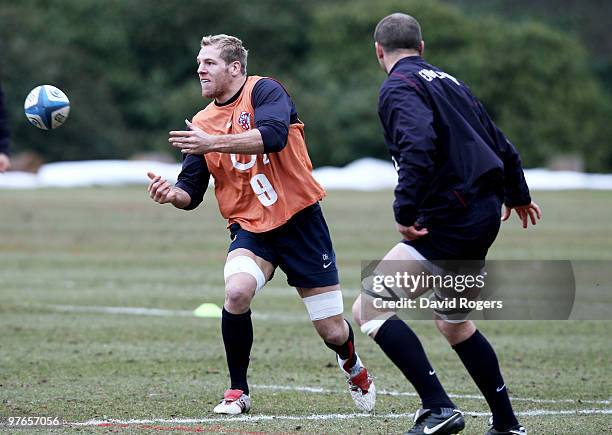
(429, 75)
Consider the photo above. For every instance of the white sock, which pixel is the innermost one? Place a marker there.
(356, 367)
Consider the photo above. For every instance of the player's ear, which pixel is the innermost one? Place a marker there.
(379, 51)
(380, 56)
(421, 49)
(236, 68)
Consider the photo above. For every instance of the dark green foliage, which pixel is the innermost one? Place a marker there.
(129, 70)
(534, 81)
(587, 22)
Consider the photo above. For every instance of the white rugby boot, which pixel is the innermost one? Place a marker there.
(234, 402)
(360, 384)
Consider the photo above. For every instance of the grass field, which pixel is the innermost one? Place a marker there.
(65, 252)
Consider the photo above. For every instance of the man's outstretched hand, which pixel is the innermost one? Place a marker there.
(160, 190)
(5, 162)
(525, 213)
(191, 141)
(411, 232)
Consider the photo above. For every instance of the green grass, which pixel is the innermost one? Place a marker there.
(114, 247)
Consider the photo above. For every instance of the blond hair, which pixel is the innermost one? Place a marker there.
(231, 47)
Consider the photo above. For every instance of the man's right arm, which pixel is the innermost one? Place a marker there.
(162, 192)
(193, 179)
(189, 190)
(408, 122)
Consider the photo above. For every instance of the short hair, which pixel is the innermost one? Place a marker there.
(398, 32)
(231, 47)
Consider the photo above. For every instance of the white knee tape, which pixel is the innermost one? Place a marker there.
(244, 264)
(411, 250)
(324, 305)
(454, 321)
(370, 326)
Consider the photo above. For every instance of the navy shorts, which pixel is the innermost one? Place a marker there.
(302, 248)
(466, 235)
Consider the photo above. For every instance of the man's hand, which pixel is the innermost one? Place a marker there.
(411, 233)
(5, 162)
(193, 141)
(160, 190)
(525, 213)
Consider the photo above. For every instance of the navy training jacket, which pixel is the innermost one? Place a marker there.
(445, 147)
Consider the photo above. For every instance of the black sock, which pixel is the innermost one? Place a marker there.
(346, 351)
(237, 331)
(480, 360)
(403, 347)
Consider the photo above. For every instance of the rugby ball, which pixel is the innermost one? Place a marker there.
(46, 107)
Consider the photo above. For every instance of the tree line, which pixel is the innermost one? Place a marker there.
(129, 69)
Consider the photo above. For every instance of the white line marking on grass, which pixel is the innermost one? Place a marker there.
(410, 394)
(246, 418)
(544, 412)
(142, 311)
(315, 417)
(139, 311)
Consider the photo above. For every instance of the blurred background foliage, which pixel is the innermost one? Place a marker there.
(542, 69)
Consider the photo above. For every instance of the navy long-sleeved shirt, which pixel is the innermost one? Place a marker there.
(446, 149)
(274, 112)
(4, 130)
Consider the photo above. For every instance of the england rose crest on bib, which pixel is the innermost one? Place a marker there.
(244, 120)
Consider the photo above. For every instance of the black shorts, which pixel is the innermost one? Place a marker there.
(451, 246)
(302, 248)
(468, 235)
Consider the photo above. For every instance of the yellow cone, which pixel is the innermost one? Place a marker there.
(208, 310)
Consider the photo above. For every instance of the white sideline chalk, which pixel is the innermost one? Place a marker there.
(315, 417)
(142, 311)
(410, 394)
